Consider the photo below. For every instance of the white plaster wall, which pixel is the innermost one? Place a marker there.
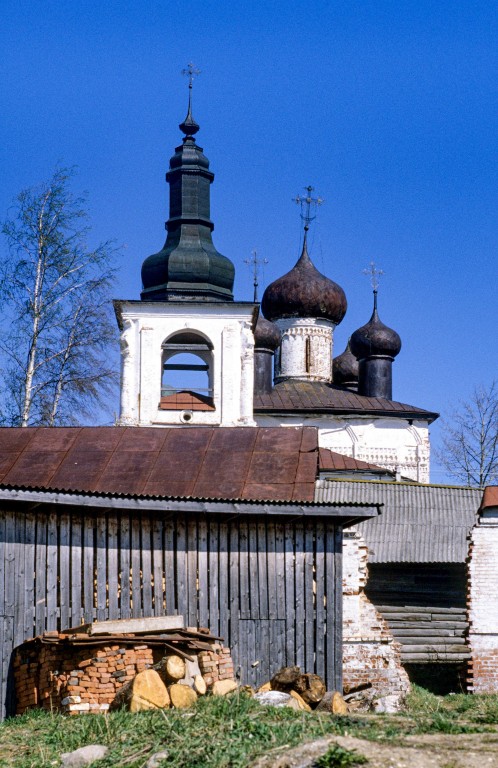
(394, 444)
(146, 325)
(292, 360)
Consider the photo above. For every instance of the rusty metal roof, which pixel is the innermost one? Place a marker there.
(318, 397)
(330, 461)
(419, 523)
(266, 463)
(490, 497)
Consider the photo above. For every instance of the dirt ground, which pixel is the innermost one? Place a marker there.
(476, 750)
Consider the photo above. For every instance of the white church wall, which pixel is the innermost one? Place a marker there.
(147, 325)
(306, 349)
(395, 444)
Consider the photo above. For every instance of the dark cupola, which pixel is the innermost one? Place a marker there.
(304, 292)
(188, 268)
(345, 369)
(375, 346)
(266, 340)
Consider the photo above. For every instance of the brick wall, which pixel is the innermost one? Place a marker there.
(370, 653)
(483, 604)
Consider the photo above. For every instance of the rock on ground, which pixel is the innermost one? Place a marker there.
(84, 756)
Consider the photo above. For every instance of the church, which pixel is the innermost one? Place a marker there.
(213, 498)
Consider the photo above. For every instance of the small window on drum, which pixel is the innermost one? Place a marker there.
(187, 373)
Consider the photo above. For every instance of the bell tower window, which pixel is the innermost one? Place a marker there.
(187, 373)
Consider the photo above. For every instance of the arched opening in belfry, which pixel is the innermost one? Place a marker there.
(187, 372)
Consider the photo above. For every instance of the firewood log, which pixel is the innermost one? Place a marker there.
(182, 696)
(285, 678)
(199, 685)
(171, 668)
(145, 691)
(311, 687)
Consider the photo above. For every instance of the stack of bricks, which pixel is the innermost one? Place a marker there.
(216, 664)
(54, 673)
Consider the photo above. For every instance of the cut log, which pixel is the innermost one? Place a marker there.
(199, 685)
(284, 680)
(265, 687)
(145, 691)
(171, 668)
(311, 688)
(182, 696)
(301, 702)
(333, 702)
(222, 687)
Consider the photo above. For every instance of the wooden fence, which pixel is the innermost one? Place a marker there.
(271, 588)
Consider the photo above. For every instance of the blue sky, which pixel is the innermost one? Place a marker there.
(388, 109)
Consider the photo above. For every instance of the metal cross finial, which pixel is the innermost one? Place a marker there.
(374, 275)
(190, 71)
(255, 264)
(307, 202)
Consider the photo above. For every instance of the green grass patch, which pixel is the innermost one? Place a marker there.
(338, 757)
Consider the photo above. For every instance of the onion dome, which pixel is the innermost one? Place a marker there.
(304, 292)
(266, 335)
(345, 369)
(375, 339)
(188, 267)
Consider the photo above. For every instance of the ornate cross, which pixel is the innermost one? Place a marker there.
(255, 264)
(307, 202)
(190, 71)
(374, 275)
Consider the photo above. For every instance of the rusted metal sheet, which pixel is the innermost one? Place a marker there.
(305, 396)
(204, 462)
(331, 461)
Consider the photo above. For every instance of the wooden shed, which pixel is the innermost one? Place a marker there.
(417, 570)
(217, 525)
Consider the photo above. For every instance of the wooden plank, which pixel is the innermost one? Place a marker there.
(263, 652)
(244, 584)
(7, 641)
(64, 569)
(337, 609)
(136, 576)
(158, 566)
(223, 584)
(253, 571)
(101, 543)
(192, 594)
(88, 569)
(52, 572)
(280, 568)
(181, 566)
(232, 638)
(41, 575)
(214, 578)
(203, 564)
(332, 618)
(290, 596)
(320, 637)
(309, 597)
(149, 625)
(113, 566)
(432, 651)
(262, 555)
(146, 578)
(169, 557)
(124, 566)
(421, 609)
(76, 559)
(271, 564)
(18, 577)
(299, 597)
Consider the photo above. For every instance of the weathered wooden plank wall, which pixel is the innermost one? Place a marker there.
(271, 589)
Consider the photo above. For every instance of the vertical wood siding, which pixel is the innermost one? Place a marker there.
(272, 590)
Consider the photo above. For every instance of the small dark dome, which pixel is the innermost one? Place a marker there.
(304, 292)
(375, 338)
(345, 368)
(266, 335)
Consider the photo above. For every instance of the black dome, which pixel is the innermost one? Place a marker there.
(304, 292)
(375, 338)
(266, 335)
(345, 368)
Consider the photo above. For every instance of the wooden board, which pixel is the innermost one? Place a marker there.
(136, 626)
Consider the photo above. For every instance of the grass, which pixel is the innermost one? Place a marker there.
(228, 732)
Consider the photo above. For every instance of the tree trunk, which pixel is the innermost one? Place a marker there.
(145, 691)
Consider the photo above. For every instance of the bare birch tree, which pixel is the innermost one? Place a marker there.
(470, 440)
(56, 312)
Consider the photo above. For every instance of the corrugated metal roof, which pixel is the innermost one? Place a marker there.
(418, 524)
(318, 397)
(202, 462)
